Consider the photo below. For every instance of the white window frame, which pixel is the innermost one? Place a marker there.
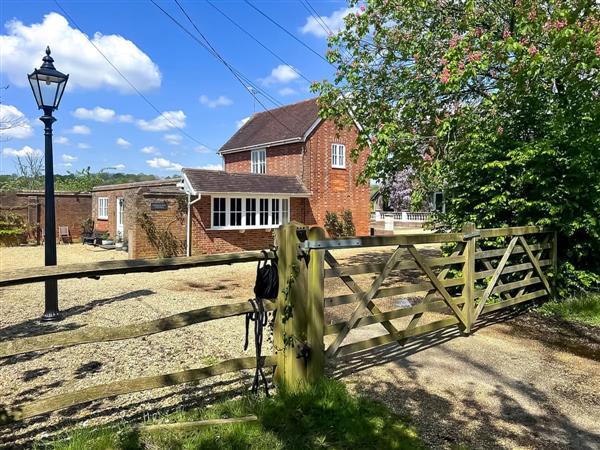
(258, 160)
(103, 209)
(284, 215)
(338, 156)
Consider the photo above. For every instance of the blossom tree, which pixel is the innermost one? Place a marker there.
(496, 100)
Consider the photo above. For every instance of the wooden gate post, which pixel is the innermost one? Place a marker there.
(316, 308)
(290, 329)
(469, 276)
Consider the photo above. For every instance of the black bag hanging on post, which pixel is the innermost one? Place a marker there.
(267, 278)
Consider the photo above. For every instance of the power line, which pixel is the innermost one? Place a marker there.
(316, 16)
(274, 22)
(127, 80)
(257, 41)
(208, 46)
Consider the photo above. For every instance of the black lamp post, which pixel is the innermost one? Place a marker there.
(48, 85)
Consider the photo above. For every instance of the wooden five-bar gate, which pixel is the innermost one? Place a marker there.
(484, 270)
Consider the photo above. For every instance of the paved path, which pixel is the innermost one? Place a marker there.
(521, 383)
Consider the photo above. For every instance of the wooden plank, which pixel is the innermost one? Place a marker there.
(511, 269)
(358, 269)
(389, 292)
(512, 231)
(492, 283)
(436, 283)
(515, 285)
(536, 264)
(437, 306)
(468, 291)
(530, 273)
(406, 239)
(386, 339)
(514, 301)
(316, 308)
(554, 257)
(93, 270)
(500, 251)
(182, 427)
(67, 399)
(87, 335)
(365, 301)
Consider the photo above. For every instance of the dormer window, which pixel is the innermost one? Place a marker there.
(338, 156)
(259, 161)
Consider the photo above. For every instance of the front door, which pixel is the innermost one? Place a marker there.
(120, 207)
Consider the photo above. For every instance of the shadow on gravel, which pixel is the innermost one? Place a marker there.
(33, 327)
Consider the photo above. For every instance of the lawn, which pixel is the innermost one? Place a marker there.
(325, 416)
(584, 308)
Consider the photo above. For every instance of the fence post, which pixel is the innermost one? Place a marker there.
(469, 276)
(316, 308)
(290, 330)
(554, 265)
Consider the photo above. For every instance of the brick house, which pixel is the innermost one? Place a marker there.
(283, 164)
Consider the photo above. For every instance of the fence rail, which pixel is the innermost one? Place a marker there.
(488, 269)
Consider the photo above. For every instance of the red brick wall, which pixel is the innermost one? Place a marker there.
(335, 189)
(281, 160)
(71, 208)
(110, 224)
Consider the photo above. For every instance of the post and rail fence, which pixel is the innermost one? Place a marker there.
(483, 270)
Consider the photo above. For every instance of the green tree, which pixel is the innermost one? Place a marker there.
(495, 102)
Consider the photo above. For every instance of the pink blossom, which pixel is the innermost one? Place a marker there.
(533, 50)
(362, 8)
(445, 76)
(506, 33)
(478, 32)
(560, 24)
(455, 40)
(438, 121)
(374, 139)
(357, 14)
(500, 130)
(427, 157)
(532, 15)
(474, 56)
(443, 61)
(461, 65)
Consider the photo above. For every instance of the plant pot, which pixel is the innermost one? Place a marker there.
(119, 245)
(107, 242)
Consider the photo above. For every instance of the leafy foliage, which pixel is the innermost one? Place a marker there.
(494, 102)
(162, 239)
(583, 308)
(13, 230)
(337, 227)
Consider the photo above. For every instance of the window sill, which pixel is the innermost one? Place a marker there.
(269, 227)
(338, 167)
(102, 218)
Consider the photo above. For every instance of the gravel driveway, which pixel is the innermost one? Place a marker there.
(502, 387)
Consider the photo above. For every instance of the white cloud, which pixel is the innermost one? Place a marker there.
(21, 49)
(211, 167)
(202, 149)
(83, 145)
(173, 139)
(62, 140)
(164, 164)
(287, 91)
(68, 158)
(334, 22)
(118, 166)
(26, 150)
(79, 129)
(221, 100)
(150, 150)
(98, 114)
(67, 164)
(240, 123)
(166, 121)
(13, 123)
(123, 143)
(280, 75)
(125, 118)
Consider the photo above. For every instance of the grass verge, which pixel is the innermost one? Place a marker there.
(324, 416)
(583, 309)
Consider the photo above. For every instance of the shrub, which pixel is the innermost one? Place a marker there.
(332, 224)
(13, 230)
(348, 228)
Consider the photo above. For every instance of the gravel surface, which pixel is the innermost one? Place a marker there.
(501, 387)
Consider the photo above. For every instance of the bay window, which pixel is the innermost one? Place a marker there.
(249, 212)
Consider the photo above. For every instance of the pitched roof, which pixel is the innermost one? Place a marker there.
(288, 123)
(137, 184)
(220, 182)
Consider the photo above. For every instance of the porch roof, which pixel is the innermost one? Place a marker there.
(201, 181)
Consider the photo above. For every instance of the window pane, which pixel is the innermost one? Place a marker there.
(259, 161)
(275, 211)
(264, 211)
(219, 217)
(285, 211)
(235, 212)
(250, 211)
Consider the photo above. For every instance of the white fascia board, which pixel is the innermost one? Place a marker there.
(262, 145)
(255, 194)
(187, 186)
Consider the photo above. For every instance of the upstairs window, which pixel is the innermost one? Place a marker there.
(102, 207)
(259, 161)
(338, 156)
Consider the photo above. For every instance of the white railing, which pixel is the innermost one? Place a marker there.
(401, 216)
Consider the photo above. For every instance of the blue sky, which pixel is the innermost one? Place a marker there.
(103, 123)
